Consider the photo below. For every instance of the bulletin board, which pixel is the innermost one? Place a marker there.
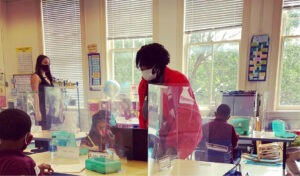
(258, 58)
(94, 71)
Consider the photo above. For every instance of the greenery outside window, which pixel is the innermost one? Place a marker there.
(289, 82)
(123, 52)
(212, 63)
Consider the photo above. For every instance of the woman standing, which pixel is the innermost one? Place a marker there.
(40, 79)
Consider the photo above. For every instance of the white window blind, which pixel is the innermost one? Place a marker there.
(291, 3)
(62, 41)
(129, 18)
(212, 14)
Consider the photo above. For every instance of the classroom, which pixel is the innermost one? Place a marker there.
(234, 49)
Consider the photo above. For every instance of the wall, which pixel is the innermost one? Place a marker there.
(2, 33)
(23, 29)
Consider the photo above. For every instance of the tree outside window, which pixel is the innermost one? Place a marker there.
(213, 64)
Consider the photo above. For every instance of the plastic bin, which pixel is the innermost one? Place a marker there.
(102, 165)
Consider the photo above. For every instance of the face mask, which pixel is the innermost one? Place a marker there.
(46, 68)
(147, 74)
(28, 138)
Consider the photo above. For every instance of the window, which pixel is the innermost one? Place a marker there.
(289, 83)
(213, 33)
(62, 41)
(129, 28)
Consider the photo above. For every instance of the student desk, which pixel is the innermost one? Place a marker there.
(269, 137)
(45, 135)
(128, 167)
(189, 167)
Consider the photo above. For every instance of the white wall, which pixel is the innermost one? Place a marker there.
(2, 33)
(23, 29)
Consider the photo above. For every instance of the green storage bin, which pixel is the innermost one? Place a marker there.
(102, 165)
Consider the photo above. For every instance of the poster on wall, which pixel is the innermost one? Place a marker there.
(24, 56)
(258, 58)
(94, 71)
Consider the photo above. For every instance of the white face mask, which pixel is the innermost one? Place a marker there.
(147, 74)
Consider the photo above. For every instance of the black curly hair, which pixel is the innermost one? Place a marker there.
(223, 111)
(153, 55)
(14, 124)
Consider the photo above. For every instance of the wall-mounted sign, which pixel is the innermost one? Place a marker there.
(258, 58)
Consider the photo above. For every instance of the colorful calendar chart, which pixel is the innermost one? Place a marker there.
(94, 71)
(258, 58)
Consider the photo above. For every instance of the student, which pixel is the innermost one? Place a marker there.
(152, 60)
(220, 132)
(15, 135)
(100, 137)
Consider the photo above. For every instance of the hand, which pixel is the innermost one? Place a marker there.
(95, 148)
(45, 169)
(38, 116)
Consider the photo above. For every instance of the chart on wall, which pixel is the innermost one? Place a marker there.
(24, 59)
(94, 71)
(258, 58)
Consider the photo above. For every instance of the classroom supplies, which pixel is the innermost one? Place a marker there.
(102, 165)
(241, 125)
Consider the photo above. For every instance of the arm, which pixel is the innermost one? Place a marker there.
(235, 138)
(86, 143)
(35, 82)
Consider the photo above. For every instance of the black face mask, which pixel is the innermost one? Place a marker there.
(46, 68)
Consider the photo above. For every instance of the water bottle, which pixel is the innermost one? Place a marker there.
(53, 147)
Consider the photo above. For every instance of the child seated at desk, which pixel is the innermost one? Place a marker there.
(15, 135)
(100, 137)
(220, 132)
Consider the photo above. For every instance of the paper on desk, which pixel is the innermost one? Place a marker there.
(68, 168)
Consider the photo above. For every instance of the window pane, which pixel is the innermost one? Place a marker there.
(138, 43)
(118, 43)
(213, 64)
(228, 34)
(225, 70)
(122, 67)
(200, 37)
(199, 71)
(128, 43)
(290, 80)
(292, 26)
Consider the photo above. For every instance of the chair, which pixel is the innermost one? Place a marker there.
(222, 152)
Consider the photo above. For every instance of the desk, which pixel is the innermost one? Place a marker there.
(269, 137)
(45, 135)
(189, 167)
(128, 168)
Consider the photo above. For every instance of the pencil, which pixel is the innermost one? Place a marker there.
(91, 140)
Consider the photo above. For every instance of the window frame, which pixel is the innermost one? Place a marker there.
(283, 38)
(212, 44)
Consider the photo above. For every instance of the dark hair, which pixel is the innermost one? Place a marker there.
(153, 54)
(14, 124)
(102, 115)
(38, 69)
(223, 111)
